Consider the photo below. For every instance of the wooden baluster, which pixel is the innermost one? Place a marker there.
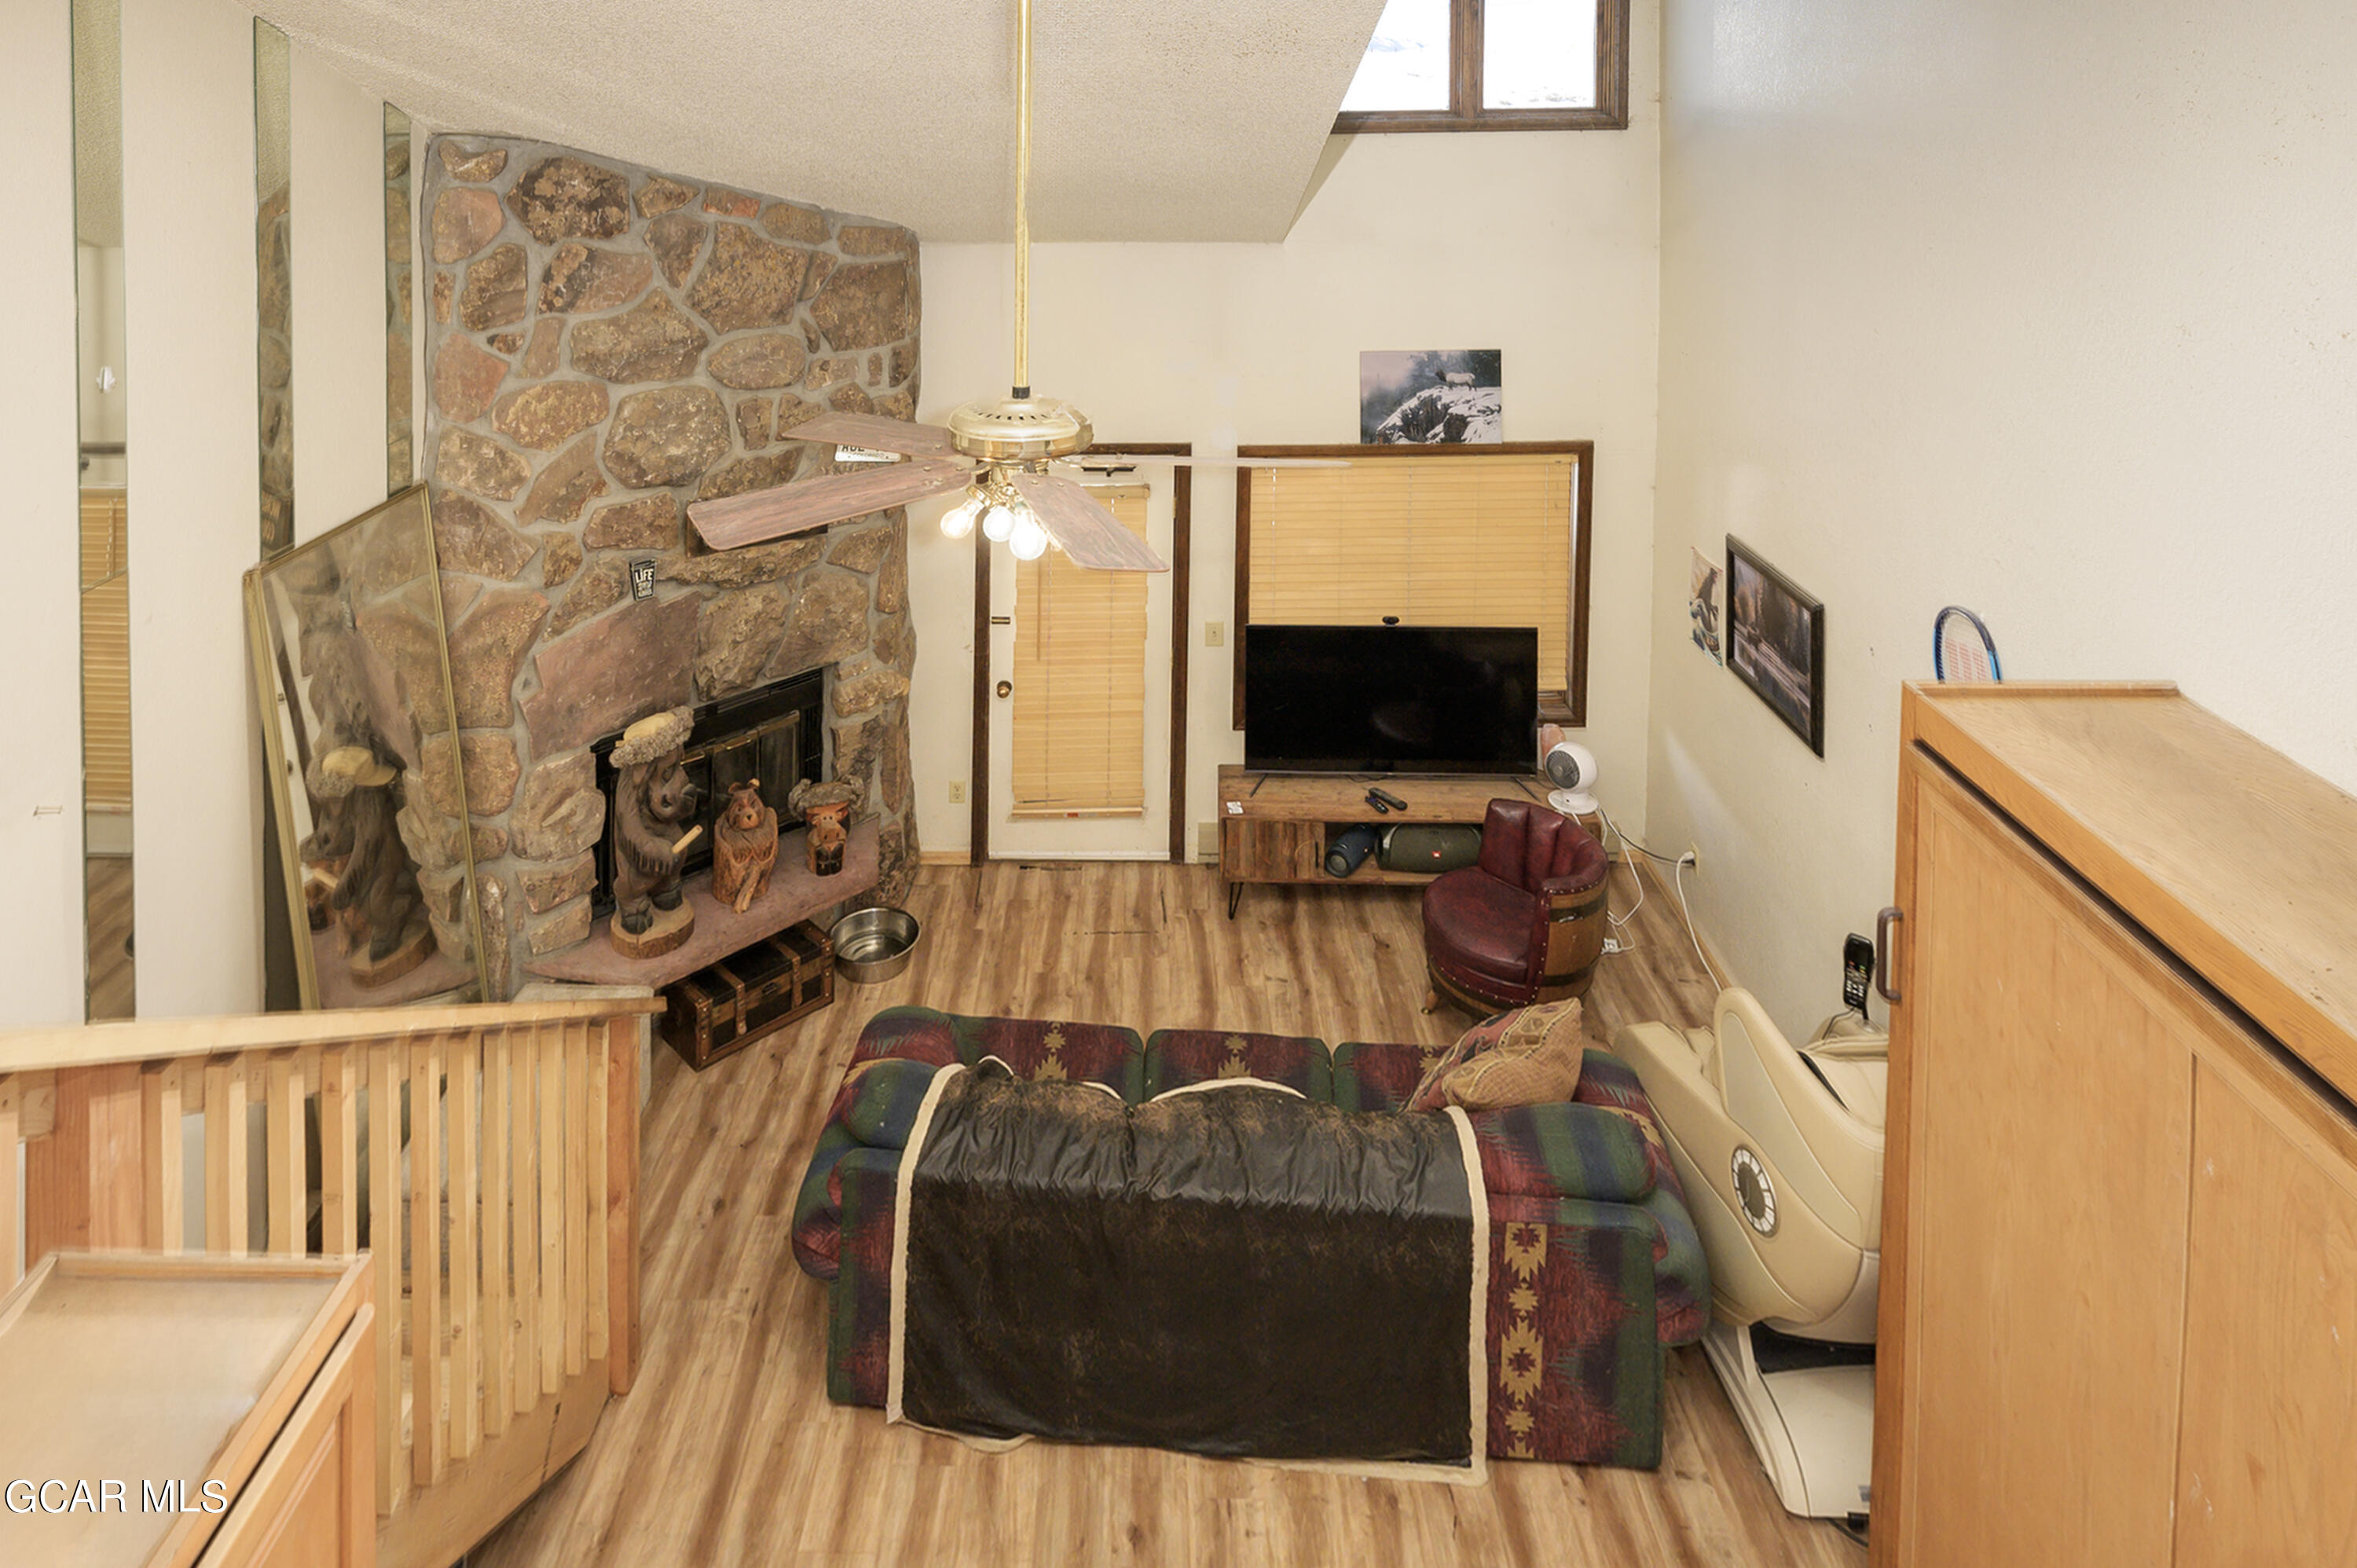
(384, 1247)
(623, 1203)
(551, 1210)
(12, 1111)
(82, 1174)
(428, 1447)
(225, 1140)
(623, 1037)
(576, 1197)
(498, 1322)
(598, 1343)
(340, 1206)
(282, 1135)
(160, 1140)
(466, 1394)
(523, 1203)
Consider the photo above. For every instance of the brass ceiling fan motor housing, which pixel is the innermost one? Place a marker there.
(1019, 430)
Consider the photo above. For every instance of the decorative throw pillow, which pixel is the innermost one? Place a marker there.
(1526, 1056)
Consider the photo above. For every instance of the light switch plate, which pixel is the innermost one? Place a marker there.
(1215, 634)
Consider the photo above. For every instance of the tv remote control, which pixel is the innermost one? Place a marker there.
(1385, 797)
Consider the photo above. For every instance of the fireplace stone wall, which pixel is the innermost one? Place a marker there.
(604, 345)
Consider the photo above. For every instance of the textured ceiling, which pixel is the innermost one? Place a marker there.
(1154, 119)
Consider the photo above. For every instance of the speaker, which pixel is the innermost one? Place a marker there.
(1437, 848)
(1350, 850)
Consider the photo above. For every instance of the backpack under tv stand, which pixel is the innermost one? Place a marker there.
(1274, 827)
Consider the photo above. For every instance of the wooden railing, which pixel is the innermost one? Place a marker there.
(488, 1155)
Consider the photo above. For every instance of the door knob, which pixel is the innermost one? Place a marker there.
(1007, 688)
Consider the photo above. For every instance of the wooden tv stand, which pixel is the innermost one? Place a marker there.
(1274, 826)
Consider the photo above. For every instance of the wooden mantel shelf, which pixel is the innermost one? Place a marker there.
(794, 894)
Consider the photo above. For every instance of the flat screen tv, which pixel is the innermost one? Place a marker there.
(1390, 699)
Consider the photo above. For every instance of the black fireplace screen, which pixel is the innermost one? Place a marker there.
(770, 733)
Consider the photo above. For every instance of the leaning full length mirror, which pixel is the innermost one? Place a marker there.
(104, 520)
(352, 669)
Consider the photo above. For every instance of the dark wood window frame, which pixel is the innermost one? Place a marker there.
(1182, 550)
(1465, 112)
(1568, 707)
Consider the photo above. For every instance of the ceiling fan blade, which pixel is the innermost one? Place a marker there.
(1132, 459)
(760, 515)
(1084, 530)
(875, 430)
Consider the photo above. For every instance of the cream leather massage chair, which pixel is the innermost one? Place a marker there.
(1781, 1154)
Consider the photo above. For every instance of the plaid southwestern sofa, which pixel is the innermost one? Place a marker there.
(1595, 1271)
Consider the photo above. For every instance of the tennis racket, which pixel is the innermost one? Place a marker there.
(1962, 648)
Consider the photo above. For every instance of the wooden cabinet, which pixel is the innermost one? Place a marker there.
(219, 1411)
(2118, 1319)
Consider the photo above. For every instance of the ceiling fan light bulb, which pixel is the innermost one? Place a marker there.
(1029, 541)
(958, 522)
(997, 524)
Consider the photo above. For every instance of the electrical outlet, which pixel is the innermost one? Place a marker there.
(1215, 634)
(1694, 857)
(957, 792)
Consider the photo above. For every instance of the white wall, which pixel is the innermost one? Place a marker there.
(187, 179)
(337, 245)
(40, 787)
(1542, 245)
(2050, 311)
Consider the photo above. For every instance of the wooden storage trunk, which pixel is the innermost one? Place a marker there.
(726, 1006)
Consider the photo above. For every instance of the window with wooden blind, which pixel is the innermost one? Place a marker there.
(105, 650)
(1476, 535)
(1079, 719)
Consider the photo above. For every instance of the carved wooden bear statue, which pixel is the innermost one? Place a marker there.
(378, 884)
(652, 795)
(744, 847)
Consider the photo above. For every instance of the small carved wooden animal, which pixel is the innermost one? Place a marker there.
(744, 847)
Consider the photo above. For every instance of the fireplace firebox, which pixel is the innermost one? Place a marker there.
(771, 733)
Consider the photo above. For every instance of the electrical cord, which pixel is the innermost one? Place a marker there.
(1623, 938)
(1685, 911)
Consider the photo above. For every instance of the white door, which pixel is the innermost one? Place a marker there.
(1079, 706)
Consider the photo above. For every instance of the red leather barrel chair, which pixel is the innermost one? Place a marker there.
(1523, 924)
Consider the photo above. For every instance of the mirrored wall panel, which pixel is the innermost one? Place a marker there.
(400, 334)
(273, 167)
(104, 512)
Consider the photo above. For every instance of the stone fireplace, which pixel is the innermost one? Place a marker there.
(606, 344)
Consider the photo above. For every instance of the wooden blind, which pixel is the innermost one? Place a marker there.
(1455, 541)
(1079, 681)
(105, 650)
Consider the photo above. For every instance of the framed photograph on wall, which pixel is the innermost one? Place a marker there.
(1776, 641)
(1423, 397)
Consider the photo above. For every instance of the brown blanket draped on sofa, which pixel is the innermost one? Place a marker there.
(1238, 1271)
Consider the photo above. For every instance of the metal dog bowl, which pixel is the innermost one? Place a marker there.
(872, 945)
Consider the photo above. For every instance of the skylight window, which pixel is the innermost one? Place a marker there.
(1492, 65)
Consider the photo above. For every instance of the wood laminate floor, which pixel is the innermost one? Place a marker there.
(113, 975)
(728, 1450)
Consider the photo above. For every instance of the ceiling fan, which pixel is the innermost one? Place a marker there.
(998, 449)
